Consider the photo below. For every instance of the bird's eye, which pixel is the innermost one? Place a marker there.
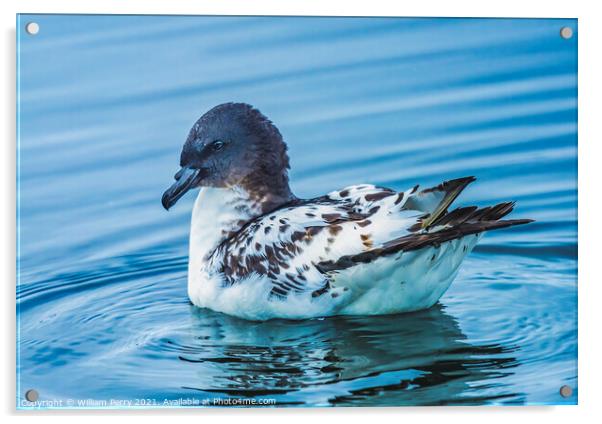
(217, 145)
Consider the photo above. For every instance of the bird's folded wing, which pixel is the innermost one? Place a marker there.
(297, 246)
(287, 244)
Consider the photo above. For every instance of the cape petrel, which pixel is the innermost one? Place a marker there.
(258, 252)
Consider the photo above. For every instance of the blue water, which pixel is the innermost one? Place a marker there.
(105, 104)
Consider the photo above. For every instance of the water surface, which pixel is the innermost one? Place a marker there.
(105, 104)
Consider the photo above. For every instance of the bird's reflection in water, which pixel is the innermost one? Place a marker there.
(419, 359)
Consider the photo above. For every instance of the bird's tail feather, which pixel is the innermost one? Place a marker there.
(434, 201)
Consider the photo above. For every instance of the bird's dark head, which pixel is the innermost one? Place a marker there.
(233, 145)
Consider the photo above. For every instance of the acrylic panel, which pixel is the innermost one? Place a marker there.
(414, 242)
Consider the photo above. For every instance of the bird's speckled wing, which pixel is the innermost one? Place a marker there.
(299, 246)
(287, 245)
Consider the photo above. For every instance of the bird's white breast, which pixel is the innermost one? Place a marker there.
(215, 213)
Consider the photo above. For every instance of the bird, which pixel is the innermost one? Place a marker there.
(258, 252)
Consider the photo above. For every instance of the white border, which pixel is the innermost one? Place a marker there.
(590, 212)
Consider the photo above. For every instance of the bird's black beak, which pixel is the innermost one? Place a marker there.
(186, 178)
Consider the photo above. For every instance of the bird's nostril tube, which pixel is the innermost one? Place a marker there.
(178, 174)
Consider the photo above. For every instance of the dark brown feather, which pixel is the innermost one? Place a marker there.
(421, 240)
